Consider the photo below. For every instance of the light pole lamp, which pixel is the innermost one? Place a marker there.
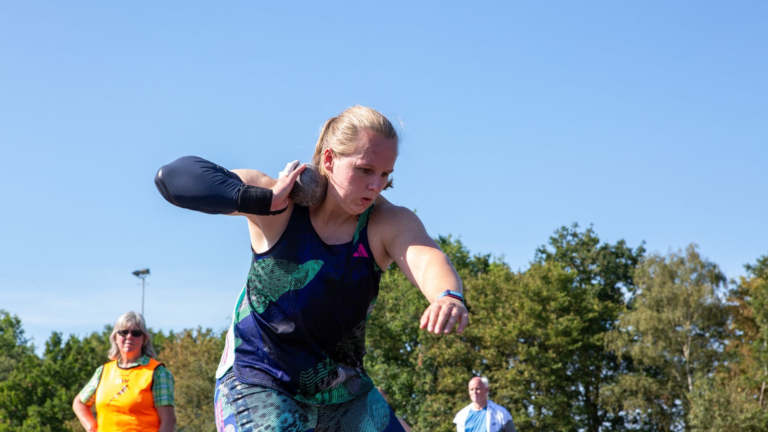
(142, 274)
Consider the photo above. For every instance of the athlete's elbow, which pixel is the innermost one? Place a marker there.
(171, 177)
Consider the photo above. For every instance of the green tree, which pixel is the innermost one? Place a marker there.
(756, 287)
(14, 346)
(37, 395)
(734, 398)
(726, 403)
(15, 353)
(602, 273)
(192, 357)
(528, 329)
(674, 333)
(527, 334)
(425, 375)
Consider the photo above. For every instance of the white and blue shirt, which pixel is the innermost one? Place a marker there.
(476, 421)
(497, 419)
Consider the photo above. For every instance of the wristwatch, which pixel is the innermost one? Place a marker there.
(453, 294)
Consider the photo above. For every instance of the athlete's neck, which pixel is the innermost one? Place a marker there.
(330, 215)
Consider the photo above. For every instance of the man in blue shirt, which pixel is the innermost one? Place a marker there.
(482, 415)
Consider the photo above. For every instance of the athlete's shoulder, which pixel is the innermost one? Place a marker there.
(394, 221)
(386, 210)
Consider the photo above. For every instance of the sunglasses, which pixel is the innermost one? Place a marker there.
(134, 333)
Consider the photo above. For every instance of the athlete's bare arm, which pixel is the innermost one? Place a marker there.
(398, 235)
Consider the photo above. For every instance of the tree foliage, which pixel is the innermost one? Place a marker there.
(734, 398)
(14, 346)
(538, 335)
(37, 394)
(192, 357)
(436, 365)
(593, 336)
(674, 333)
(602, 274)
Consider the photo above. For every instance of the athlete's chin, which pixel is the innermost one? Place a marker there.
(359, 205)
(364, 203)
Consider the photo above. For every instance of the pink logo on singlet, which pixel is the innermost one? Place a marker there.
(361, 252)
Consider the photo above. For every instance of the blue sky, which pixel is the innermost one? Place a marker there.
(646, 119)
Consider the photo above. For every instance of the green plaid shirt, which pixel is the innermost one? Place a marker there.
(162, 384)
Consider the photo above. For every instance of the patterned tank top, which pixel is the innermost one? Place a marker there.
(299, 324)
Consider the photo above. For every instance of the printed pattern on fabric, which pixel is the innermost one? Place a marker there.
(162, 387)
(271, 278)
(228, 355)
(318, 384)
(299, 325)
(88, 393)
(337, 378)
(245, 408)
(362, 222)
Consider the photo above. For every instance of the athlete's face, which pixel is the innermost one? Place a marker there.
(478, 392)
(358, 178)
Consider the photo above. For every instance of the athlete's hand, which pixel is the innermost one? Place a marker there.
(284, 184)
(443, 314)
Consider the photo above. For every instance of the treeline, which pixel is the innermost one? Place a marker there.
(36, 393)
(592, 337)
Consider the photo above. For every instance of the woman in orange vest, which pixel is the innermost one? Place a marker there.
(133, 392)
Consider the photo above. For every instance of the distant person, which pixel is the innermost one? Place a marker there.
(400, 419)
(482, 415)
(133, 392)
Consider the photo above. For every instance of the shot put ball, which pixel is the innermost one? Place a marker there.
(310, 187)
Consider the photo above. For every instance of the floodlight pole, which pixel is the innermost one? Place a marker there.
(142, 274)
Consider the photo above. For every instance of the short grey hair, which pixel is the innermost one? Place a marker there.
(126, 320)
(487, 384)
(485, 381)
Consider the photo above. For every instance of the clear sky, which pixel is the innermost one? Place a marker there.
(647, 119)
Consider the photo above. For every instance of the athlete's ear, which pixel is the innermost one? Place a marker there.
(329, 157)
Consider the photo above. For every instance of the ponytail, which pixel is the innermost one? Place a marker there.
(321, 145)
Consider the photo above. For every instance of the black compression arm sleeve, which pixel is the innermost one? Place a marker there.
(194, 183)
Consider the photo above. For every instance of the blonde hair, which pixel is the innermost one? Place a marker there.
(126, 320)
(340, 133)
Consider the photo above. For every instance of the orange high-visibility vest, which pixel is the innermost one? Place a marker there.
(124, 400)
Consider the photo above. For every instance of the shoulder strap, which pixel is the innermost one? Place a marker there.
(362, 222)
(299, 215)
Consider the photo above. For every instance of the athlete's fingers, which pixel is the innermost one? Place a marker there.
(425, 318)
(443, 318)
(283, 186)
(434, 314)
(295, 173)
(453, 317)
(464, 321)
(289, 168)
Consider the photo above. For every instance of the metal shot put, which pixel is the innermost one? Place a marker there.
(310, 186)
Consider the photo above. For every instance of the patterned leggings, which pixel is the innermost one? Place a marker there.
(244, 408)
